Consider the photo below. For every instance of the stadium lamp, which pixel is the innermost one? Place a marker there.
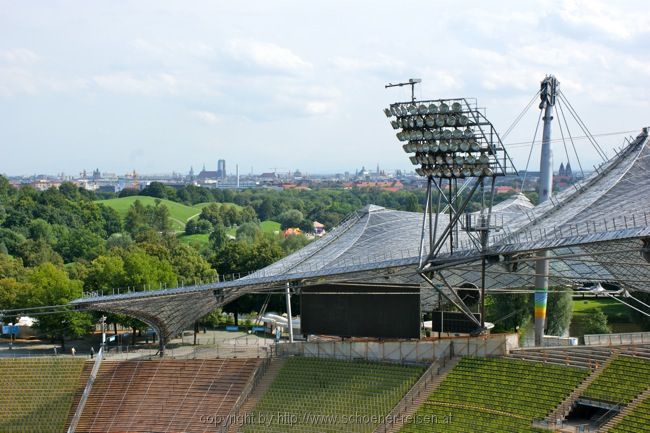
(443, 138)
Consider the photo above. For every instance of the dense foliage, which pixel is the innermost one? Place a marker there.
(57, 244)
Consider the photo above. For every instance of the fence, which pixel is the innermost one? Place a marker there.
(233, 415)
(84, 397)
(617, 339)
(413, 394)
(422, 351)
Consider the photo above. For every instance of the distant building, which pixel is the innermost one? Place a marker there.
(565, 171)
(319, 229)
(269, 178)
(205, 175)
(292, 231)
(221, 168)
(392, 186)
(504, 189)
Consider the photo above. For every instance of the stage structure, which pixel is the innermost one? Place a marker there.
(456, 148)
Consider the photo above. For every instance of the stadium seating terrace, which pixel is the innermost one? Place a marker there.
(37, 393)
(495, 395)
(192, 395)
(319, 395)
(637, 421)
(623, 379)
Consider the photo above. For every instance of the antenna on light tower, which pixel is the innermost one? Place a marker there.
(411, 82)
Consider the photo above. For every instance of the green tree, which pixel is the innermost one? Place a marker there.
(50, 285)
(290, 218)
(119, 240)
(10, 292)
(248, 232)
(106, 273)
(81, 243)
(559, 312)
(212, 213)
(596, 323)
(155, 189)
(146, 271)
(218, 237)
(639, 317)
(135, 221)
(11, 267)
(509, 312)
(35, 253)
(160, 217)
(41, 230)
(11, 240)
(195, 226)
(188, 265)
(294, 243)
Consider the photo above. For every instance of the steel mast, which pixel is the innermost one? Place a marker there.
(548, 92)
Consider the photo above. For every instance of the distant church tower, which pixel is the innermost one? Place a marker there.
(568, 172)
(562, 170)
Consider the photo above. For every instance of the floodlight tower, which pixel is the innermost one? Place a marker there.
(451, 140)
(548, 92)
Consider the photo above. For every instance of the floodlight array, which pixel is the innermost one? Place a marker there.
(443, 138)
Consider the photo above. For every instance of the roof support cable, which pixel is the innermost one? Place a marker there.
(532, 146)
(559, 122)
(570, 137)
(582, 125)
(520, 116)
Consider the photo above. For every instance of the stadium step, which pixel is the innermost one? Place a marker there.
(626, 410)
(269, 376)
(589, 357)
(85, 373)
(417, 395)
(564, 408)
(165, 395)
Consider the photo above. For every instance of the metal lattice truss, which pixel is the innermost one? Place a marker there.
(596, 231)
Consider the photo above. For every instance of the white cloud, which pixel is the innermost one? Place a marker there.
(148, 84)
(378, 63)
(19, 56)
(267, 56)
(319, 107)
(207, 117)
(608, 17)
(15, 81)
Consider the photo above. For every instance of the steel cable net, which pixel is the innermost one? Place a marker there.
(595, 232)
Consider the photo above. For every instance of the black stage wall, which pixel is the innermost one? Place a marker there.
(453, 322)
(361, 310)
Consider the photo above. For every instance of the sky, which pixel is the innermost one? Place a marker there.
(160, 86)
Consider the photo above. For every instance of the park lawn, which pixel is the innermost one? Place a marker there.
(270, 226)
(614, 310)
(199, 239)
(267, 226)
(179, 213)
(618, 315)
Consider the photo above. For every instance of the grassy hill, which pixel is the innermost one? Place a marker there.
(267, 226)
(179, 213)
